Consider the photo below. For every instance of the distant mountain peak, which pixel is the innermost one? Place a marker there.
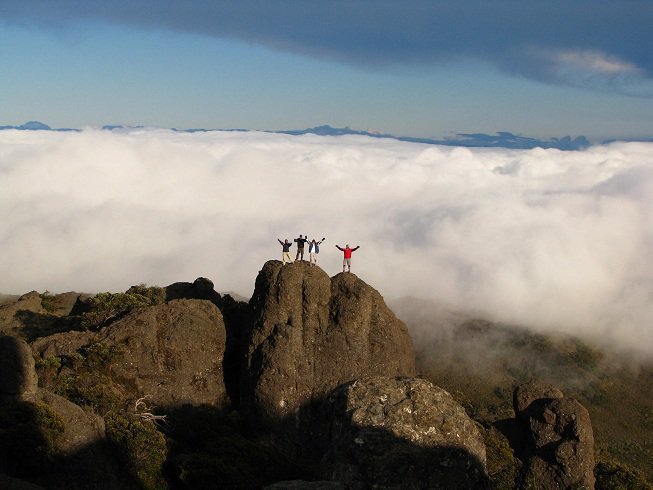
(501, 139)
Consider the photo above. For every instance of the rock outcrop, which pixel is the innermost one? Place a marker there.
(17, 370)
(172, 352)
(12, 314)
(200, 288)
(401, 433)
(561, 449)
(526, 394)
(311, 334)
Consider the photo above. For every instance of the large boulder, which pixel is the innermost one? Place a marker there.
(171, 352)
(80, 428)
(401, 433)
(17, 368)
(311, 334)
(561, 440)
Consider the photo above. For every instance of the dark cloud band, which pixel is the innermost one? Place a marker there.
(585, 42)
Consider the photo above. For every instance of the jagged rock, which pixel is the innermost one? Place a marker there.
(17, 368)
(561, 452)
(401, 433)
(172, 352)
(313, 333)
(527, 393)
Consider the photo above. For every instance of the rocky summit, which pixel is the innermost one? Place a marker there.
(312, 333)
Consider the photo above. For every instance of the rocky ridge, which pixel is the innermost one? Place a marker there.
(321, 361)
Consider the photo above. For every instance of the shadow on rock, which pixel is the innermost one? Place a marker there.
(35, 325)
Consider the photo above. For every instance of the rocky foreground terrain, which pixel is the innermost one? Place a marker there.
(311, 384)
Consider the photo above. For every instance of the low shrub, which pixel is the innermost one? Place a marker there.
(141, 447)
(104, 308)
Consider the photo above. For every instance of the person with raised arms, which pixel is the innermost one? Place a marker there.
(346, 261)
(313, 250)
(285, 254)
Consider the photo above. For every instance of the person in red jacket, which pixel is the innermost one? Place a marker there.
(346, 261)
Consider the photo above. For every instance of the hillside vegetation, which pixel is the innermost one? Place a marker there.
(480, 362)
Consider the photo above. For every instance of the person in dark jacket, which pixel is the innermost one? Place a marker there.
(300, 247)
(313, 250)
(347, 256)
(285, 254)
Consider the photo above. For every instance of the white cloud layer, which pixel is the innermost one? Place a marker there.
(548, 238)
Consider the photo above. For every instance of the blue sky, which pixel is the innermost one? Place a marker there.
(414, 68)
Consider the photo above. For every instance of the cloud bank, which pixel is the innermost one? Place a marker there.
(543, 237)
(601, 45)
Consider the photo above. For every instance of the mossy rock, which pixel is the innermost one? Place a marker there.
(502, 465)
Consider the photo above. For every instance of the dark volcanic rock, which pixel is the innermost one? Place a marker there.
(527, 393)
(311, 334)
(561, 452)
(402, 433)
(62, 344)
(172, 352)
(17, 369)
(200, 288)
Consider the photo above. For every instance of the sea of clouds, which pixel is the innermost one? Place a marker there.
(550, 239)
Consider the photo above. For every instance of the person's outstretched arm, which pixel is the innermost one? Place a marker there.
(354, 249)
(340, 248)
(279, 241)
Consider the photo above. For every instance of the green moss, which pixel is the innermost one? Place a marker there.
(502, 465)
(53, 362)
(99, 355)
(141, 447)
(611, 475)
